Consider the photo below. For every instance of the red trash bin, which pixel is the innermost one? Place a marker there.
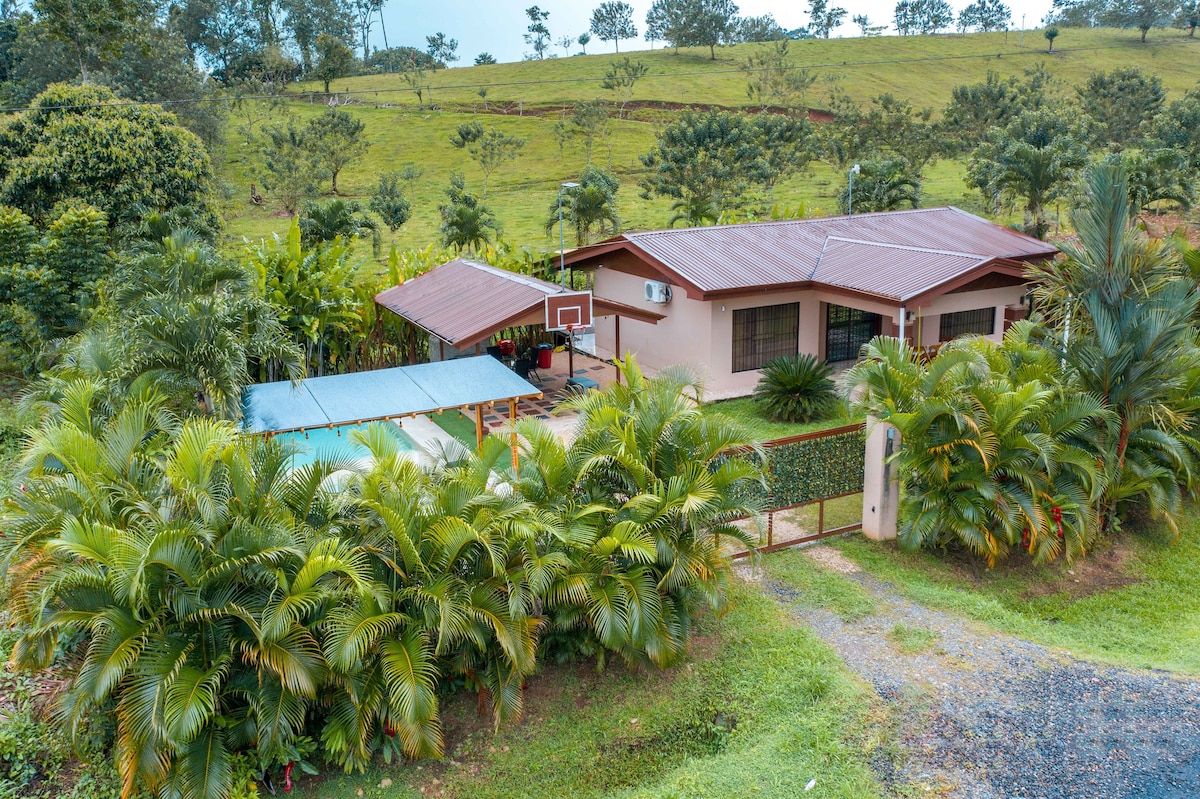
(545, 356)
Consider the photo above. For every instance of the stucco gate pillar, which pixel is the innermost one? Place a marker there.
(881, 493)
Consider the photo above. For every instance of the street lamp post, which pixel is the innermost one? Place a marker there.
(854, 170)
(562, 249)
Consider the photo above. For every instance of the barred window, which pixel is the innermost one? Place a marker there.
(847, 330)
(980, 322)
(762, 334)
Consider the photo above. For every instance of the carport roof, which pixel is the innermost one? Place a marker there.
(380, 394)
(465, 302)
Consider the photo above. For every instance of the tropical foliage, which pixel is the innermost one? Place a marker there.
(228, 606)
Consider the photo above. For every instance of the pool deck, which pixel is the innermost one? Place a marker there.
(554, 390)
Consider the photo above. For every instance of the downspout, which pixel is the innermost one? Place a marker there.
(903, 314)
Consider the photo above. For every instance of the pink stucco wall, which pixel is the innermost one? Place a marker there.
(700, 333)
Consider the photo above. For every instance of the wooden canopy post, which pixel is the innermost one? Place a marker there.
(618, 348)
(512, 420)
(479, 427)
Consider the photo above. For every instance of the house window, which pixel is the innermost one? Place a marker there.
(846, 330)
(978, 322)
(762, 334)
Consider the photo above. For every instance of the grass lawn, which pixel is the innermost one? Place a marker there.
(526, 99)
(456, 424)
(1133, 604)
(762, 708)
(749, 413)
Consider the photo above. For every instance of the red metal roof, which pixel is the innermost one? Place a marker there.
(894, 254)
(464, 302)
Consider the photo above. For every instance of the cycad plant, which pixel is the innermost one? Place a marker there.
(796, 388)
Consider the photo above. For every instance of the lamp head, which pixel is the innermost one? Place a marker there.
(855, 169)
(568, 185)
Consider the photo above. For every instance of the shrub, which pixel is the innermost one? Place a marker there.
(796, 388)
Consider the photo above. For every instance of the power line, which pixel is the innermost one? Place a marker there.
(557, 81)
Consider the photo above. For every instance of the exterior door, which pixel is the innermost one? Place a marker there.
(847, 330)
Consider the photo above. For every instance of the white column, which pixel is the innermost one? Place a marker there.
(880, 488)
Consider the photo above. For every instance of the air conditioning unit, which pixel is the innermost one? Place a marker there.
(657, 291)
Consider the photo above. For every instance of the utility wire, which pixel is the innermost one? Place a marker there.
(553, 81)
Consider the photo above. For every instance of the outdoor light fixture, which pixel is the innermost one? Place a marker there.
(854, 170)
(562, 250)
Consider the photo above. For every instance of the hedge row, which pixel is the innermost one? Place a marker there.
(813, 468)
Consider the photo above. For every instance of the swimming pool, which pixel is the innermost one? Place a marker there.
(336, 443)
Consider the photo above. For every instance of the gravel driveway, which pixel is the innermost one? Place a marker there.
(982, 715)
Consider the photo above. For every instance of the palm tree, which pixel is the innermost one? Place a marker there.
(198, 570)
(468, 227)
(694, 210)
(589, 206)
(882, 185)
(994, 449)
(322, 222)
(1122, 311)
(193, 321)
(1030, 161)
(644, 501)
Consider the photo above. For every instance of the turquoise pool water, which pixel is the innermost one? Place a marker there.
(336, 443)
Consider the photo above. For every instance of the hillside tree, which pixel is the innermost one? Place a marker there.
(1119, 102)
(467, 224)
(92, 28)
(822, 19)
(975, 107)
(1029, 163)
(984, 16)
(865, 27)
(441, 49)
(923, 16)
(704, 160)
(338, 139)
(334, 60)
(584, 40)
(620, 78)
(1141, 14)
(293, 171)
(612, 21)
(1178, 128)
(773, 80)
(389, 202)
(587, 122)
(759, 29)
(713, 22)
(1188, 17)
(490, 148)
(537, 35)
(484, 59)
(1051, 33)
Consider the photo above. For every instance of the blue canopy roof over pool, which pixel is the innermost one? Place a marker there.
(380, 394)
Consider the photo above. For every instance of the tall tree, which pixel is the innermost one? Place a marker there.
(865, 27)
(984, 15)
(763, 28)
(1178, 128)
(975, 107)
(1119, 102)
(1188, 17)
(92, 28)
(365, 12)
(668, 21)
(1123, 311)
(612, 21)
(338, 139)
(334, 60)
(1031, 161)
(82, 143)
(822, 19)
(711, 22)
(1140, 14)
(537, 35)
(441, 49)
(708, 158)
(293, 170)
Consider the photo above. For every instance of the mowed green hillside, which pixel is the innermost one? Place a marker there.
(527, 99)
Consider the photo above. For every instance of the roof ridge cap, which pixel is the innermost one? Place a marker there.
(812, 220)
(515, 277)
(908, 247)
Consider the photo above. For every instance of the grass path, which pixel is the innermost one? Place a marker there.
(985, 715)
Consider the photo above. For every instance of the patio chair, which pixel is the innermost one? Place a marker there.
(527, 370)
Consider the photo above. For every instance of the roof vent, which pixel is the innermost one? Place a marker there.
(657, 291)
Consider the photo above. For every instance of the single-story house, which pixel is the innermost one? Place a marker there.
(733, 297)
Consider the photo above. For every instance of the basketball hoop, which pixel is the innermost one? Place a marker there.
(568, 310)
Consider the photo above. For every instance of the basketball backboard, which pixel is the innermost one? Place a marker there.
(569, 310)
